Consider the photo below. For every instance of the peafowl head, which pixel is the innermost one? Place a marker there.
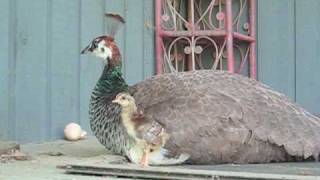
(105, 47)
(126, 101)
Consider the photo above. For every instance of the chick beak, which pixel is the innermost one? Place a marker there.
(86, 50)
(116, 101)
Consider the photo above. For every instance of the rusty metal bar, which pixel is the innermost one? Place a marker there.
(158, 37)
(193, 45)
(197, 33)
(229, 37)
(252, 32)
(190, 57)
(242, 37)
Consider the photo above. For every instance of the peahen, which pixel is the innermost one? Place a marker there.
(215, 116)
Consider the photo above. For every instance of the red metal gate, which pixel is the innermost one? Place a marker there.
(204, 34)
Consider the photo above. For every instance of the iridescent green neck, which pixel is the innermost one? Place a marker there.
(111, 82)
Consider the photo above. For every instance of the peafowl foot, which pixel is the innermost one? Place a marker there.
(145, 158)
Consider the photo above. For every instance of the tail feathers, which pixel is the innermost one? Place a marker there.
(163, 157)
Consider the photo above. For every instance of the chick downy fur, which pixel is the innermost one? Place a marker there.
(146, 134)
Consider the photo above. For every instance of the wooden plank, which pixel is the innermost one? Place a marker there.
(4, 68)
(134, 41)
(30, 84)
(307, 54)
(174, 173)
(90, 67)
(276, 45)
(65, 65)
(148, 39)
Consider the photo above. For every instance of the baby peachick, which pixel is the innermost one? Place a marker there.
(150, 136)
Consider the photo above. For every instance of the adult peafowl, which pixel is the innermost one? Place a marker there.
(215, 116)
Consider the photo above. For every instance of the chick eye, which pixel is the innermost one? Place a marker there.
(102, 49)
(123, 98)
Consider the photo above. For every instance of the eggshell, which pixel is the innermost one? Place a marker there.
(72, 132)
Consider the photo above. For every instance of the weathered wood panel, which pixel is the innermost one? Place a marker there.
(45, 83)
(308, 54)
(288, 49)
(5, 51)
(148, 43)
(30, 84)
(276, 44)
(135, 26)
(64, 64)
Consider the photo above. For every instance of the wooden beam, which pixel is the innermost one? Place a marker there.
(177, 173)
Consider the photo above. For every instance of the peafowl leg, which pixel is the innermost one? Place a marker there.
(145, 157)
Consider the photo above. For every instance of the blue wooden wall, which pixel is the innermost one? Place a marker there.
(45, 83)
(289, 49)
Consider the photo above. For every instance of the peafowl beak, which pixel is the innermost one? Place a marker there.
(87, 50)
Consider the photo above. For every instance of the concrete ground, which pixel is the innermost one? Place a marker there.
(46, 156)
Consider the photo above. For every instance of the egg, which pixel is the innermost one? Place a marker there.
(74, 132)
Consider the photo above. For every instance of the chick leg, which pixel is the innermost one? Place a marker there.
(145, 157)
